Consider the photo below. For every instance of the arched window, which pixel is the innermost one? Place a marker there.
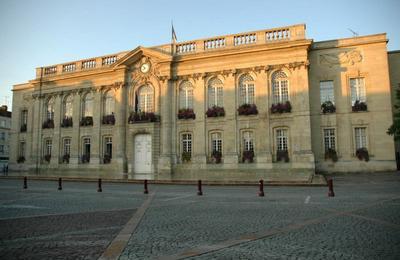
(215, 93)
(145, 99)
(50, 109)
(67, 106)
(87, 107)
(108, 103)
(246, 89)
(280, 87)
(186, 95)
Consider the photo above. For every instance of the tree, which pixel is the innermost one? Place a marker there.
(394, 129)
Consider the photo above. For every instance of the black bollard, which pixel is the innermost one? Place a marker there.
(261, 192)
(59, 184)
(199, 190)
(146, 191)
(99, 186)
(330, 186)
(25, 183)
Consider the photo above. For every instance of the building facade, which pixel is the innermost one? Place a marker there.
(5, 134)
(268, 104)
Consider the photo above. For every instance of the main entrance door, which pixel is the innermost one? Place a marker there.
(142, 166)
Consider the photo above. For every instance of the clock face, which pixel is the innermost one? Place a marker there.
(145, 67)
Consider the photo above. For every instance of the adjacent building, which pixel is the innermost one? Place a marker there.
(268, 104)
(5, 133)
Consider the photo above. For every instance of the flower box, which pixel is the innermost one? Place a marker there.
(142, 117)
(66, 122)
(108, 120)
(216, 157)
(186, 113)
(282, 155)
(65, 158)
(248, 156)
(281, 108)
(359, 106)
(85, 158)
(86, 121)
(49, 123)
(328, 107)
(247, 109)
(331, 154)
(21, 159)
(215, 111)
(47, 157)
(362, 154)
(23, 128)
(186, 156)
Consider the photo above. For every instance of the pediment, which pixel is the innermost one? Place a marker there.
(139, 53)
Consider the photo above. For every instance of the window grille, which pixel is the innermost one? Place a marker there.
(329, 139)
(327, 91)
(246, 89)
(146, 95)
(187, 143)
(186, 95)
(248, 141)
(280, 87)
(357, 86)
(361, 137)
(215, 93)
(281, 139)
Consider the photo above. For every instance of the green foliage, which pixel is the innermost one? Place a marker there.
(394, 129)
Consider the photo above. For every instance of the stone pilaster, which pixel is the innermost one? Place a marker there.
(76, 140)
(230, 105)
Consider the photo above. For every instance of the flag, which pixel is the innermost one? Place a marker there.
(174, 39)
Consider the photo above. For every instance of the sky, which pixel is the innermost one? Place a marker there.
(35, 33)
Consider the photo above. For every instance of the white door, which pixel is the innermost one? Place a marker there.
(142, 154)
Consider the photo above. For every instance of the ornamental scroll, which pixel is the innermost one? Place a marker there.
(344, 58)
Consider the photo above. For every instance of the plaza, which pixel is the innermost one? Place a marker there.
(362, 221)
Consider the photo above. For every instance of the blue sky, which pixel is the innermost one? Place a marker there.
(43, 32)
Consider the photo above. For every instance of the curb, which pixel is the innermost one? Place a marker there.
(172, 182)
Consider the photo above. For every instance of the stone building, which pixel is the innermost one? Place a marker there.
(268, 104)
(5, 128)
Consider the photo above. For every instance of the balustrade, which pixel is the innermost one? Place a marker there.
(214, 43)
(69, 67)
(109, 60)
(244, 39)
(88, 64)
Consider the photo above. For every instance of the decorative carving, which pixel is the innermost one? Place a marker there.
(344, 58)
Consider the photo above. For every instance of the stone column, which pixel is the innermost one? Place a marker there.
(75, 138)
(198, 148)
(262, 133)
(303, 156)
(95, 140)
(164, 163)
(230, 105)
(119, 141)
(55, 151)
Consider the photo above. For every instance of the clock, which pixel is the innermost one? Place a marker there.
(145, 67)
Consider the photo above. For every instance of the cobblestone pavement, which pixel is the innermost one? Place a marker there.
(75, 223)
(228, 222)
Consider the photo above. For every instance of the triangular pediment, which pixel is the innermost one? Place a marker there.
(138, 53)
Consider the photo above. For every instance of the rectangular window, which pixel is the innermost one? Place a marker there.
(248, 141)
(327, 91)
(357, 86)
(2, 136)
(22, 148)
(247, 93)
(67, 146)
(329, 139)
(1, 149)
(24, 117)
(187, 143)
(86, 146)
(216, 142)
(47, 147)
(108, 146)
(281, 140)
(361, 137)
